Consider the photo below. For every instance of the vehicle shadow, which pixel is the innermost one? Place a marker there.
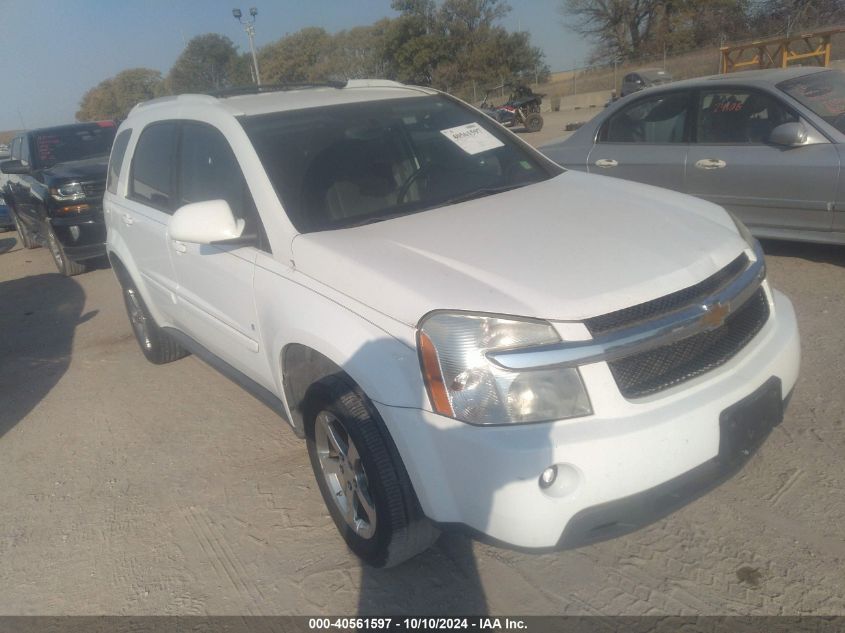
(7, 244)
(821, 253)
(38, 317)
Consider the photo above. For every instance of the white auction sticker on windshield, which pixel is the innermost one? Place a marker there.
(472, 138)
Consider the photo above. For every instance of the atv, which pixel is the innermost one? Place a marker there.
(522, 108)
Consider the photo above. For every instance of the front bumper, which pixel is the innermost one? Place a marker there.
(81, 237)
(486, 478)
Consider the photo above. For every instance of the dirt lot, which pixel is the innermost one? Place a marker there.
(134, 489)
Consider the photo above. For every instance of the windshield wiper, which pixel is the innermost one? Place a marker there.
(481, 192)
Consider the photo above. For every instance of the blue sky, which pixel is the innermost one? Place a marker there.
(55, 50)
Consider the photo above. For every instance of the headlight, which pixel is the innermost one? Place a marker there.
(463, 384)
(68, 192)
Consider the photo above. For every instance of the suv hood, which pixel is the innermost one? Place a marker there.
(569, 248)
(85, 170)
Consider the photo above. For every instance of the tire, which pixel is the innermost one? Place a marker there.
(66, 266)
(534, 122)
(157, 346)
(23, 234)
(362, 479)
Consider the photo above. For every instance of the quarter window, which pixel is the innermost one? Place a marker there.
(738, 116)
(655, 119)
(116, 161)
(151, 181)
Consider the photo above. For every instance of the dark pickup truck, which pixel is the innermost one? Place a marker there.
(54, 185)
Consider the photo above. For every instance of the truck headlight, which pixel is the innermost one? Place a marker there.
(463, 384)
(743, 231)
(68, 192)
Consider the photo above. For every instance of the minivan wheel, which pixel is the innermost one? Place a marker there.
(158, 347)
(361, 476)
(66, 266)
(26, 238)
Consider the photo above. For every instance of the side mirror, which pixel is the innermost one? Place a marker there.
(14, 167)
(210, 222)
(789, 135)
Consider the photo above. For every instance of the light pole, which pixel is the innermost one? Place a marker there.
(249, 27)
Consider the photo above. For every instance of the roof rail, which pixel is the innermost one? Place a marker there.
(374, 83)
(257, 89)
(184, 97)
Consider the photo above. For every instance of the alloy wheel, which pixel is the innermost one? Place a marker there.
(138, 318)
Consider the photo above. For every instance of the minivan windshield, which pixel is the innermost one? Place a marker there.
(356, 163)
(71, 143)
(823, 93)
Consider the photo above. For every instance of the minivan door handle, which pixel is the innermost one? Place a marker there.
(128, 220)
(710, 163)
(606, 162)
(180, 247)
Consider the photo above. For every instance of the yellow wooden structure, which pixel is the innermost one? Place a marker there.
(780, 52)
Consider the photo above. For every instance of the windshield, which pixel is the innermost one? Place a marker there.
(823, 93)
(62, 145)
(351, 164)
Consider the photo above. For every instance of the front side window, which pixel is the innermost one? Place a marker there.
(655, 119)
(823, 93)
(355, 163)
(151, 180)
(79, 142)
(208, 170)
(739, 116)
(116, 160)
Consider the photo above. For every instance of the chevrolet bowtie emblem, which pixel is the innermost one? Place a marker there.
(714, 315)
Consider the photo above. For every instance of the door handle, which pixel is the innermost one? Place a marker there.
(606, 162)
(128, 220)
(180, 247)
(710, 163)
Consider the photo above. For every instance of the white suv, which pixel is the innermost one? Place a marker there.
(466, 335)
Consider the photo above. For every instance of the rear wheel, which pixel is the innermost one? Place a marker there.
(361, 476)
(158, 347)
(23, 233)
(66, 266)
(534, 122)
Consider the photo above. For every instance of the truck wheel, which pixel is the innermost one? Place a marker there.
(23, 233)
(534, 122)
(361, 476)
(158, 347)
(66, 266)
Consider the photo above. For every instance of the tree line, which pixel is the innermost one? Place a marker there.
(452, 45)
(637, 29)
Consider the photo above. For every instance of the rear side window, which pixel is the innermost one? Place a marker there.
(151, 181)
(118, 151)
(656, 119)
(739, 116)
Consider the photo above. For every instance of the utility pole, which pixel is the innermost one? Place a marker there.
(249, 27)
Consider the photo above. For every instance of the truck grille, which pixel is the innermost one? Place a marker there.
(658, 369)
(94, 191)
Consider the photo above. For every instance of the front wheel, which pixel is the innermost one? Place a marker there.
(66, 266)
(361, 476)
(534, 122)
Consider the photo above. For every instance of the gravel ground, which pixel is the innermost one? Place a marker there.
(135, 489)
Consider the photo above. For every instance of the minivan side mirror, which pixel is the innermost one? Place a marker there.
(209, 222)
(789, 135)
(14, 167)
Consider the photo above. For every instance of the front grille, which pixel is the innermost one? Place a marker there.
(668, 303)
(94, 191)
(652, 371)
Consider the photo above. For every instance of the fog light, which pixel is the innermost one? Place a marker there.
(74, 232)
(548, 476)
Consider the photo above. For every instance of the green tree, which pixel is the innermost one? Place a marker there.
(114, 97)
(299, 57)
(209, 62)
